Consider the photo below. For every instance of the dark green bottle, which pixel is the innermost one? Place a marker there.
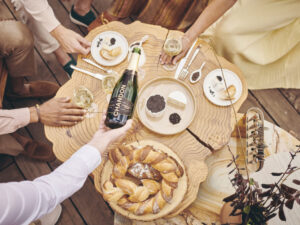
(123, 98)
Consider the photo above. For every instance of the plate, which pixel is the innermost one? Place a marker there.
(120, 41)
(164, 86)
(212, 86)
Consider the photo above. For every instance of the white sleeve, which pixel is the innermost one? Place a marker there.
(42, 12)
(26, 201)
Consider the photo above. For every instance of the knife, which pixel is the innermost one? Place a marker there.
(95, 75)
(98, 66)
(183, 61)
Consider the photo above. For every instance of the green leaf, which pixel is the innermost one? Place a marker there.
(247, 209)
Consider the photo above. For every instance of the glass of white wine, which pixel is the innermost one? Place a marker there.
(83, 97)
(172, 47)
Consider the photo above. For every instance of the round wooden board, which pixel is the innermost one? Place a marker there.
(164, 86)
(178, 194)
(211, 123)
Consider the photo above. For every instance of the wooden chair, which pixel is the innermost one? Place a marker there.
(3, 78)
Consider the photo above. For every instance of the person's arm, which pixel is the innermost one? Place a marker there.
(12, 120)
(70, 41)
(210, 14)
(23, 202)
(42, 12)
(55, 112)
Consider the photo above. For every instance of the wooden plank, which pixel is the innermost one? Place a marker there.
(10, 174)
(293, 96)
(252, 102)
(5, 161)
(280, 109)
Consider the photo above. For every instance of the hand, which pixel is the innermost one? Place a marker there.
(105, 136)
(166, 59)
(60, 112)
(70, 41)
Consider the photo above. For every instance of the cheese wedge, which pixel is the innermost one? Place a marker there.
(177, 98)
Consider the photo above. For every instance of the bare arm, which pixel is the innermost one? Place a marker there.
(210, 14)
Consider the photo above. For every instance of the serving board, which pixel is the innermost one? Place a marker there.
(211, 124)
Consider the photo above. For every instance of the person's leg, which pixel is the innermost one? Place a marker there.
(15, 144)
(81, 13)
(17, 49)
(9, 145)
(82, 7)
(65, 60)
(43, 38)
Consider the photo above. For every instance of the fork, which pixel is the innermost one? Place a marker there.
(185, 71)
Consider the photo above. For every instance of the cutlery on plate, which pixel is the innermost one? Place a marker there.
(199, 76)
(183, 61)
(109, 71)
(95, 75)
(185, 71)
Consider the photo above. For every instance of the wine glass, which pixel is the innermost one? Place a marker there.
(172, 47)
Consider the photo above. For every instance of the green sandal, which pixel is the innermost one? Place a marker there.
(85, 20)
(68, 68)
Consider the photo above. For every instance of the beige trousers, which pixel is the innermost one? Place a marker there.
(9, 145)
(17, 48)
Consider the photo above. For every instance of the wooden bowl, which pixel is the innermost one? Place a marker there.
(178, 193)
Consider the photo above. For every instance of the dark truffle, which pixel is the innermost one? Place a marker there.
(112, 41)
(156, 103)
(174, 118)
(219, 78)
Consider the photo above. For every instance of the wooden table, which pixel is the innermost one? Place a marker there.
(209, 131)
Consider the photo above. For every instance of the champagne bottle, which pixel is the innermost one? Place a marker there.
(123, 98)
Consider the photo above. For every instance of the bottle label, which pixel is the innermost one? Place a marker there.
(119, 104)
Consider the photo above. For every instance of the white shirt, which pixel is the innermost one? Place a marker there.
(23, 202)
(42, 12)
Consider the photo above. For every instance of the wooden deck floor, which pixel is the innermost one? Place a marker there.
(87, 206)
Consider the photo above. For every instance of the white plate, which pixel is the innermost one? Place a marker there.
(212, 88)
(120, 41)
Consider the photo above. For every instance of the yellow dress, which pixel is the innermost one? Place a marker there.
(262, 37)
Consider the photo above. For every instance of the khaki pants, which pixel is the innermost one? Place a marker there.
(9, 145)
(17, 50)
